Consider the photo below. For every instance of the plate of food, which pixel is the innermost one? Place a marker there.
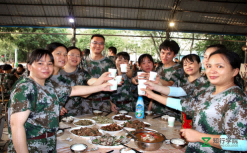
(107, 140)
(102, 120)
(138, 130)
(121, 118)
(136, 124)
(84, 122)
(111, 129)
(85, 132)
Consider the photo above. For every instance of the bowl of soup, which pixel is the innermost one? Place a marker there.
(178, 143)
(97, 112)
(123, 112)
(78, 148)
(149, 140)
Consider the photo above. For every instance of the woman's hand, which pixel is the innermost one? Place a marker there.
(191, 135)
(114, 107)
(134, 81)
(151, 85)
(105, 77)
(63, 111)
(148, 93)
(106, 87)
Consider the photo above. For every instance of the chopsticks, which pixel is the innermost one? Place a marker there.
(158, 116)
(131, 148)
(108, 113)
(110, 151)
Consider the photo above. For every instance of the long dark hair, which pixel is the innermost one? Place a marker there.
(235, 62)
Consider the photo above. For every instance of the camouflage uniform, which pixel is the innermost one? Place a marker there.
(112, 58)
(8, 82)
(43, 102)
(96, 68)
(124, 94)
(173, 73)
(221, 114)
(76, 106)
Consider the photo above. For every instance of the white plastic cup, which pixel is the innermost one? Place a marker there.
(113, 72)
(141, 82)
(152, 75)
(114, 84)
(140, 92)
(118, 79)
(123, 67)
(139, 73)
(171, 121)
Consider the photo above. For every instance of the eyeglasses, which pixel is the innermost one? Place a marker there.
(77, 56)
(95, 43)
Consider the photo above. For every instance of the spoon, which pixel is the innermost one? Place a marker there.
(130, 134)
(93, 149)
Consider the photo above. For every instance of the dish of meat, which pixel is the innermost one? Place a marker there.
(136, 124)
(85, 132)
(108, 140)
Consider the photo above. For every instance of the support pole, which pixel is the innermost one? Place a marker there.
(167, 35)
(155, 47)
(221, 39)
(74, 36)
(192, 43)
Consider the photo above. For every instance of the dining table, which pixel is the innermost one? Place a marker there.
(67, 139)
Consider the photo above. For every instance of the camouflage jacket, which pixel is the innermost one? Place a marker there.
(123, 92)
(78, 77)
(8, 81)
(96, 68)
(42, 101)
(112, 58)
(193, 88)
(220, 114)
(172, 73)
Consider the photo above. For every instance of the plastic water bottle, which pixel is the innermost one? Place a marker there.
(139, 108)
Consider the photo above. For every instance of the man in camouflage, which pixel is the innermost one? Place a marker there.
(169, 73)
(96, 65)
(112, 51)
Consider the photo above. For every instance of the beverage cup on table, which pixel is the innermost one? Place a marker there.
(114, 84)
(118, 79)
(152, 75)
(123, 68)
(113, 72)
(171, 121)
(140, 92)
(141, 82)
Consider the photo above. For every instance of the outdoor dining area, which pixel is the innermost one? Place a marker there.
(155, 124)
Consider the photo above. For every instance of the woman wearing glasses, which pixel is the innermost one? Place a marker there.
(75, 105)
(60, 52)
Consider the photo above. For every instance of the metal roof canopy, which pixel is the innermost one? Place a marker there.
(202, 16)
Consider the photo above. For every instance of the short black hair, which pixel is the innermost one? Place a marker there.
(7, 67)
(98, 35)
(113, 49)
(125, 55)
(73, 47)
(52, 46)
(20, 65)
(218, 46)
(37, 54)
(191, 58)
(86, 52)
(170, 45)
(141, 58)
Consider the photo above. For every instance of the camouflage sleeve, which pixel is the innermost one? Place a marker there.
(9, 81)
(23, 97)
(63, 93)
(177, 75)
(235, 119)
